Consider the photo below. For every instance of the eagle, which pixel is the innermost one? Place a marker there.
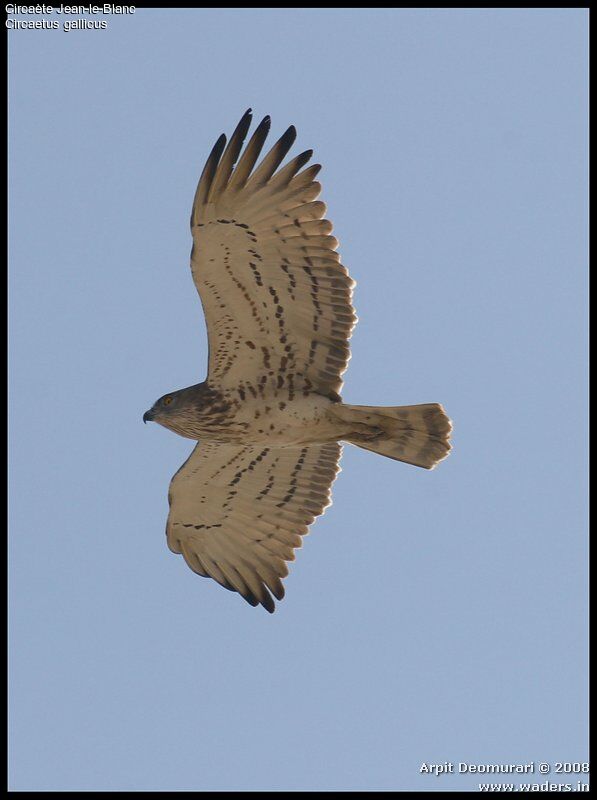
(269, 420)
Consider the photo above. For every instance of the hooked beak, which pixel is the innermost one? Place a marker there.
(148, 416)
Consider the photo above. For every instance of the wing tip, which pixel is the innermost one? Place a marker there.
(288, 137)
(246, 118)
(269, 608)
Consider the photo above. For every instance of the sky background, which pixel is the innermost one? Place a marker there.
(430, 616)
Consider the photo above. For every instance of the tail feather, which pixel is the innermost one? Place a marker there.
(417, 435)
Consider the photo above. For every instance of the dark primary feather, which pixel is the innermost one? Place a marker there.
(250, 154)
(207, 176)
(230, 155)
(273, 159)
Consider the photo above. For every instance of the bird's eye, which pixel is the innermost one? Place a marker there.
(167, 400)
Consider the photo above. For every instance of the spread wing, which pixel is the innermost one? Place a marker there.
(277, 300)
(237, 513)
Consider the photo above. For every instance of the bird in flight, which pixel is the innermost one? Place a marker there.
(269, 419)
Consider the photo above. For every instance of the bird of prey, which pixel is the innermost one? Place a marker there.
(269, 419)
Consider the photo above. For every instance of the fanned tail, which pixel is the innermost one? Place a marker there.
(417, 434)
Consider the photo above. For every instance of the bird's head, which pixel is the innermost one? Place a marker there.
(180, 411)
(170, 410)
(163, 408)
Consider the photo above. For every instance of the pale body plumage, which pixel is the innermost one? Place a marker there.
(269, 418)
(279, 421)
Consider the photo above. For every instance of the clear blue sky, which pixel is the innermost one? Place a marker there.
(429, 617)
